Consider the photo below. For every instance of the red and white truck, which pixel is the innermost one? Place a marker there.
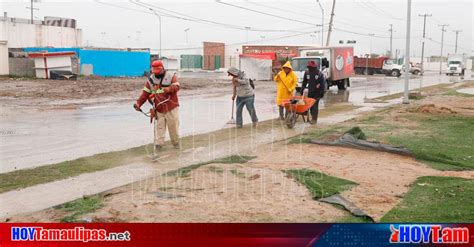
(378, 65)
(335, 62)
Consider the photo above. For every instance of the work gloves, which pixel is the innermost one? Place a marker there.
(136, 107)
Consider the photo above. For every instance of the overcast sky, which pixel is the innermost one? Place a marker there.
(124, 24)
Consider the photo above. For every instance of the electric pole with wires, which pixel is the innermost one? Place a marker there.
(391, 40)
(423, 41)
(456, 46)
(330, 22)
(443, 30)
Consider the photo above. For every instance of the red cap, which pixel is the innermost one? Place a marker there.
(312, 64)
(156, 66)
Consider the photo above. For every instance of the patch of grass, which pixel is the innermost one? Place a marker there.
(44, 174)
(236, 173)
(80, 207)
(349, 218)
(436, 199)
(357, 133)
(316, 134)
(234, 159)
(454, 92)
(449, 144)
(216, 169)
(320, 185)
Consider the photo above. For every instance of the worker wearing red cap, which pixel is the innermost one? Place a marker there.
(316, 83)
(161, 90)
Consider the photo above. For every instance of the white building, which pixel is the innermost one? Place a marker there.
(20, 33)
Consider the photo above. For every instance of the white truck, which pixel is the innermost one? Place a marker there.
(456, 64)
(336, 63)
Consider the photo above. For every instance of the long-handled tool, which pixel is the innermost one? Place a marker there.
(232, 120)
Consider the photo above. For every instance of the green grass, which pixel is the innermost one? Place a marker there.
(216, 169)
(80, 207)
(447, 145)
(320, 185)
(234, 159)
(315, 134)
(436, 199)
(236, 173)
(44, 174)
(454, 92)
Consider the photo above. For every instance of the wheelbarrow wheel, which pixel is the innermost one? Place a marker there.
(291, 119)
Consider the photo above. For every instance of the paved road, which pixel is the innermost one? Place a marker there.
(31, 138)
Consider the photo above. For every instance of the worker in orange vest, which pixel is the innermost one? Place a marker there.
(161, 90)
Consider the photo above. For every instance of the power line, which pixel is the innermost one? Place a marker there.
(222, 25)
(264, 13)
(219, 23)
(280, 9)
(241, 43)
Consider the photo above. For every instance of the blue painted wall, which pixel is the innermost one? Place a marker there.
(108, 62)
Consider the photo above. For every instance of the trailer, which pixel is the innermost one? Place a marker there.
(379, 65)
(336, 63)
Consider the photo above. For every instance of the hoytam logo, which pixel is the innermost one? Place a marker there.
(435, 234)
(74, 234)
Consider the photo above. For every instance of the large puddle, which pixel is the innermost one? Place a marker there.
(34, 137)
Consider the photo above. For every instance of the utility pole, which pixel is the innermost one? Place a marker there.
(442, 43)
(391, 39)
(457, 33)
(32, 8)
(330, 22)
(322, 23)
(407, 54)
(159, 19)
(423, 42)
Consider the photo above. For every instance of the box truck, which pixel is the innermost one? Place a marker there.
(336, 63)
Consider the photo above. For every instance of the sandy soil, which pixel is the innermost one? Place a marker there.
(89, 90)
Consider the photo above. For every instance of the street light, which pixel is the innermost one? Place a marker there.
(371, 36)
(186, 31)
(247, 34)
(322, 22)
(159, 19)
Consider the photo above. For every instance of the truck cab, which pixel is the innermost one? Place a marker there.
(299, 67)
(392, 69)
(456, 64)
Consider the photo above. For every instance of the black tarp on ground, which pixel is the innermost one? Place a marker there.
(348, 140)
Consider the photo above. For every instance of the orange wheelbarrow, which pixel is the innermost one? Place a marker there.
(296, 106)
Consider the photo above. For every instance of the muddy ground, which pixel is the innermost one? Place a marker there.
(91, 90)
(260, 190)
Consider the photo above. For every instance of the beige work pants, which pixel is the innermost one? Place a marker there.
(171, 120)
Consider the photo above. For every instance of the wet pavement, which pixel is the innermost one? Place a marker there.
(35, 137)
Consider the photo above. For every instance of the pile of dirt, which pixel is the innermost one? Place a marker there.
(432, 109)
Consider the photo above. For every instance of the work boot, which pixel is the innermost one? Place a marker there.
(314, 119)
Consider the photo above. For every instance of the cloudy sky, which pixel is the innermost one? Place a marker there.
(126, 24)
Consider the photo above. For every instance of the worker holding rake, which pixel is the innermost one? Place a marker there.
(286, 81)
